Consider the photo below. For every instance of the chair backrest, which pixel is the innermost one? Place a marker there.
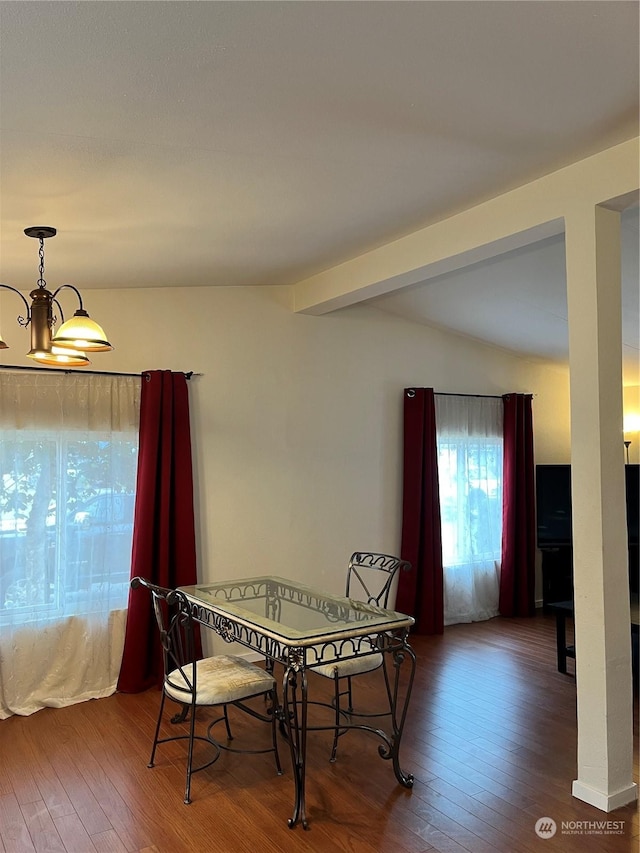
(370, 576)
(175, 624)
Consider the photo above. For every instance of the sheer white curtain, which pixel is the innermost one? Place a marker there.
(68, 458)
(469, 437)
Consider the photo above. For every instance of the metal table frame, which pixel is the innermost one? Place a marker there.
(268, 614)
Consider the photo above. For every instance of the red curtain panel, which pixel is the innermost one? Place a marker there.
(420, 591)
(164, 532)
(517, 576)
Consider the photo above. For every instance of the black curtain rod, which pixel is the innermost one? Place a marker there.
(453, 394)
(92, 372)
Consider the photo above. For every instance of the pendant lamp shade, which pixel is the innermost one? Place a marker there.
(59, 357)
(81, 333)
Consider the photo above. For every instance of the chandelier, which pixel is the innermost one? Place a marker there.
(76, 337)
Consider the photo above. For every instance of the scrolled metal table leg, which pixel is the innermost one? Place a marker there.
(295, 720)
(399, 655)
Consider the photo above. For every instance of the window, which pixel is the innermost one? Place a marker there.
(68, 463)
(66, 522)
(470, 445)
(470, 475)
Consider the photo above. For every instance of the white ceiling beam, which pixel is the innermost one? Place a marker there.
(509, 221)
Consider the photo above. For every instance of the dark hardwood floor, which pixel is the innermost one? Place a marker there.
(490, 737)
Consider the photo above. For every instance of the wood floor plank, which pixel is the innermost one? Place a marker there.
(73, 834)
(53, 794)
(506, 825)
(85, 804)
(42, 830)
(479, 834)
(14, 831)
(108, 842)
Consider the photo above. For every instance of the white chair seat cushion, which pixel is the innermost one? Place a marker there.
(353, 666)
(220, 679)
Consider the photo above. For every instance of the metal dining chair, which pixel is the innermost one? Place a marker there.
(220, 680)
(370, 578)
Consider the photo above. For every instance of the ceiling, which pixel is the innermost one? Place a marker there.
(258, 143)
(518, 300)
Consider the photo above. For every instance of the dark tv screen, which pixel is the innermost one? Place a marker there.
(633, 502)
(553, 504)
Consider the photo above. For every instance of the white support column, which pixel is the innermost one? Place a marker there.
(600, 558)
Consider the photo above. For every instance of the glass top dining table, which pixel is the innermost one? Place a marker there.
(301, 627)
(292, 613)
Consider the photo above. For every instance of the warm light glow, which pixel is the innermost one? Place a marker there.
(631, 422)
(60, 357)
(81, 333)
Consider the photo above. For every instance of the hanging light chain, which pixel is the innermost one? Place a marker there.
(41, 282)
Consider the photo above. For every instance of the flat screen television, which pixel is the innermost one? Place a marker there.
(553, 504)
(633, 502)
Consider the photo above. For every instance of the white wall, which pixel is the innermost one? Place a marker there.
(296, 419)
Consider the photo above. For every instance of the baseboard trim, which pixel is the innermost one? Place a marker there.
(602, 801)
